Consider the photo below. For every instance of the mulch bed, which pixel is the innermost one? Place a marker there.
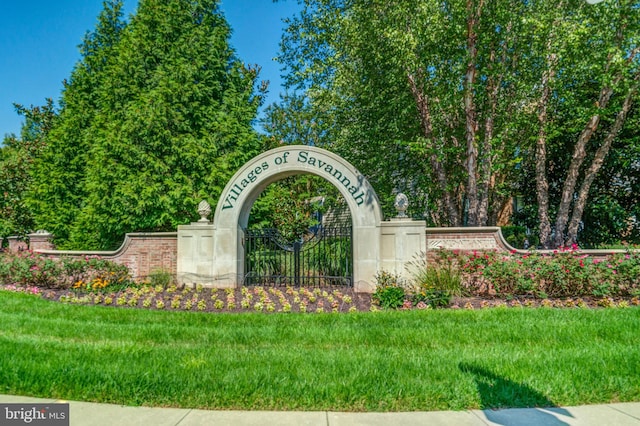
(289, 299)
(245, 299)
(531, 302)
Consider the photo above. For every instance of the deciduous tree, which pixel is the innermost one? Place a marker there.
(456, 100)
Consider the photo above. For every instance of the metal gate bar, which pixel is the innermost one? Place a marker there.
(322, 259)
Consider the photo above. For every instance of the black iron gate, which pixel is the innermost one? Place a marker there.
(321, 258)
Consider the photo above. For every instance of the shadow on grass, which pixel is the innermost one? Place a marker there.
(498, 392)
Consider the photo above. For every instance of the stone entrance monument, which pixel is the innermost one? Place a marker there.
(212, 253)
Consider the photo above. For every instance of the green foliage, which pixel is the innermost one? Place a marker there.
(390, 293)
(441, 276)
(91, 273)
(156, 116)
(443, 102)
(435, 284)
(432, 298)
(292, 205)
(592, 48)
(17, 156)
(161, 278)
(60, 188)
(565, 273)
(518, 237)
(26, 269)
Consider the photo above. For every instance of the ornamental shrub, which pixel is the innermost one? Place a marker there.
(25, 268)
(389, 292)
(565, 273)
(161, 277)
(435, 284)
(90, 273)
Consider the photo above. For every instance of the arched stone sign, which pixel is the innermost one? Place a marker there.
(232, 212)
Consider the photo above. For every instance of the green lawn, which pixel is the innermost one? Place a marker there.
(386, 361)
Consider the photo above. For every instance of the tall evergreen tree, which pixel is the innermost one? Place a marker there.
(17, 156)
(172, 120)
(58, 192)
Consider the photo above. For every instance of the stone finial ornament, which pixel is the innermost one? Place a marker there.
(401, 204)
(204, 210)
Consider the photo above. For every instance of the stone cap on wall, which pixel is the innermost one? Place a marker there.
(106, 254)
(489, 238)
(142, 253)
(467, 238)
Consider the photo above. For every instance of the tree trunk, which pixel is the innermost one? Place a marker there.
(596, 164)
(542, 185)
(486, 159)
(579, 153)
(422, 103)
(473, 17)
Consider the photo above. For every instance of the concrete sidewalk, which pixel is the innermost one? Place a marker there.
(91, 414)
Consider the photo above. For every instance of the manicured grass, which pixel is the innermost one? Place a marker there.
(386, 361)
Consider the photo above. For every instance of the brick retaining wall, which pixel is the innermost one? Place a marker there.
(488, 238)
(142, 253)
(145, 252)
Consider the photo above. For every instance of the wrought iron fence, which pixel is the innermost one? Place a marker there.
(322, 258)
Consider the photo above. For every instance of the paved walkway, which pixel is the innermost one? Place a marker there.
(91, 414)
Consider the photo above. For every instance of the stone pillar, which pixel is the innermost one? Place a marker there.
(401, 241)
(366, 255)
(195, 257)
(17, 244)
(41, 240)
(195, 254)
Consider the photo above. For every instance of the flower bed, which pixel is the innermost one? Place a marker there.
(565, 273)
(476, 280)
(244, 299)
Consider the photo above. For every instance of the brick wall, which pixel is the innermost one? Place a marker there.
(17, 244)
(487, 238)
(141, 252)
(464, 239)
(145, 252)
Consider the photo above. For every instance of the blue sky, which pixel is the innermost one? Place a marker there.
(39, 45)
